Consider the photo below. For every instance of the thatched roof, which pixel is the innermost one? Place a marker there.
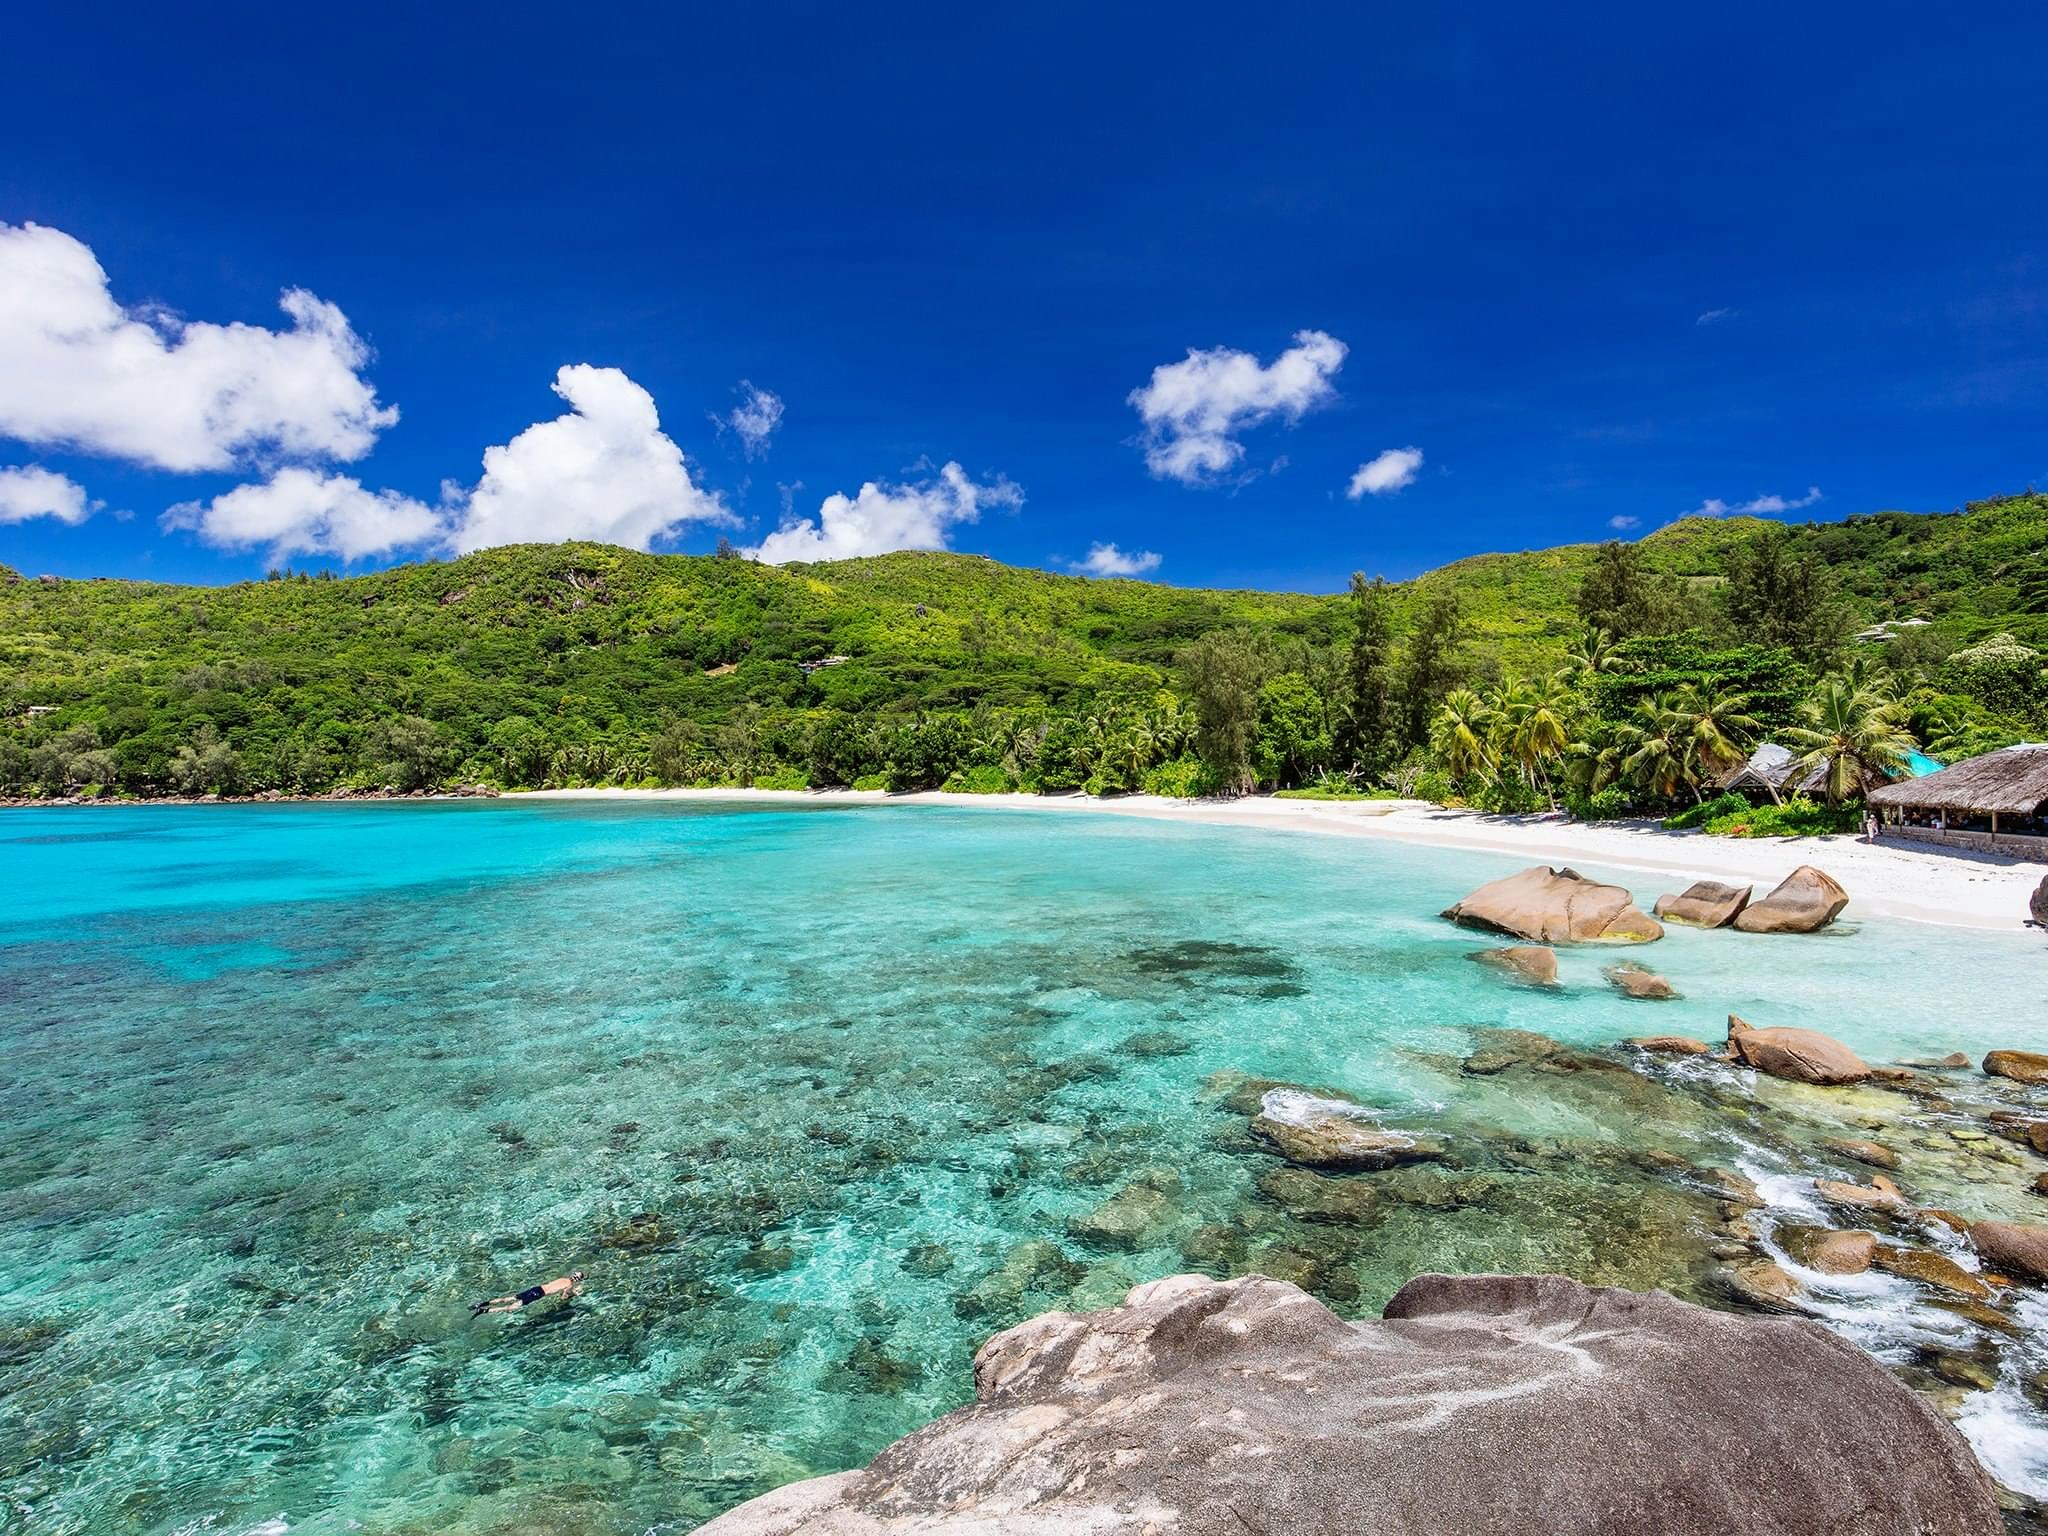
(2013, 780)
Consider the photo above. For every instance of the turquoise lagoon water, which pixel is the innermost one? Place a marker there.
(819, 1096)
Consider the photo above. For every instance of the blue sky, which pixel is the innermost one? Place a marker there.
(1615, 265)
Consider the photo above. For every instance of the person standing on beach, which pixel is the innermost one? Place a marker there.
(570, 1284)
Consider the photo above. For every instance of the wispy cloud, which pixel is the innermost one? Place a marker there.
(1393, 470)
(1760, 506)
(1716, 316)
(1623, 523)
(1108, 560)
(1195, 410)
(754, 419)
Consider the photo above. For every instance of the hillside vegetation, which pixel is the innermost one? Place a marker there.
(586, 663)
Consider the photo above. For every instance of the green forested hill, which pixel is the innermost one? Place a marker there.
(506, 656)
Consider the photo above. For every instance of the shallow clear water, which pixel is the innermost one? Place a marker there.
(820, 1097)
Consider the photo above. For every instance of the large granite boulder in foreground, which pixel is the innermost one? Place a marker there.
(1482, 1404)
(1704, 904)
(1804, 901)
(1556, 906)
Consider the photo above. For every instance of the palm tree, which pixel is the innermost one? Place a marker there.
(1715, 727)
(1853, 734)
(1460, 734)
(1530, 727)
(1591, 652)
(1657, 755)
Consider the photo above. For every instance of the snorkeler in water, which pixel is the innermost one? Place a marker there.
(570, 1284)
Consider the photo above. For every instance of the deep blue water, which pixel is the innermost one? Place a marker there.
(816, 1095)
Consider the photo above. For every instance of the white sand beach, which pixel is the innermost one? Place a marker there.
(1907, 880)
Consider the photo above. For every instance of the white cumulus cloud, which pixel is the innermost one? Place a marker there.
(33, 491)
(80, 371)
(886, 517)
(603, 471)
(301, 512)
(1108, 560)
(1623, 522)
(1195, 410)
(1391, 471)
(1759, 506)
(754, 419)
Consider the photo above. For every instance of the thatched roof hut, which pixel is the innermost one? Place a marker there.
(2010, 782)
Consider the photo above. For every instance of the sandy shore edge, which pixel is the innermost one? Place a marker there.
(1923, 884)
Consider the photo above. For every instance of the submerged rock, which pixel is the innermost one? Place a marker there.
(1535, 964)
(1124, 1219)
(1932, 1269)
(1315, 1132)
(1639, 981)
(2013, 1247)
(1488, 1405)
(1802, 1055)
(1803, 902)
(2020, 1066)
(1704, 904)
(1873, 1153)
(1311, 1197)
(1556, 906)
(1671, 1045)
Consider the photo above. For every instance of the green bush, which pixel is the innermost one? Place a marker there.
(1508, 797)
(871, 781)
(1332, 792)
(1182, 779)
(1610, 804)
(1730, 804)
(1437, 787)
(1795, 818)
(983, 779)
(783, 778)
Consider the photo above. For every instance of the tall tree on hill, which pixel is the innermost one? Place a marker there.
(1220, 675)
(1367, 737)
(1776, 597)
(1618, 595)
(1431, 666)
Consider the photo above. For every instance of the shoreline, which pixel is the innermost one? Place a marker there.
(1949, 888)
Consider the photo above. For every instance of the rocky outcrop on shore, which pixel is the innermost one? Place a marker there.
(1805, 901)
(1556, 906)
(1477, 1404)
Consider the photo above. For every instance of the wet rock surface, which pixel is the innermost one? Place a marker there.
(1556, 906)
(2021, 1066)
(1481, 1404)
(1803, 1055)
(1704, 904)
(1535, 964)
(1639, 981)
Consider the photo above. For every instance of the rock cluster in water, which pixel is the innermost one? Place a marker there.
(1477, 1404)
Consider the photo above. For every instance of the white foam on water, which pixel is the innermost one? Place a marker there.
(1296, 1106)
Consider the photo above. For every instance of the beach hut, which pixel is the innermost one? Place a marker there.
(1771, 770)
(1997, 803)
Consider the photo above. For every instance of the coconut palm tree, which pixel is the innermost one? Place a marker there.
(1592, 651)
(1715, 727)
(1530, 726)
(1853, 734)
(1657, 753)
(1461, 734)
